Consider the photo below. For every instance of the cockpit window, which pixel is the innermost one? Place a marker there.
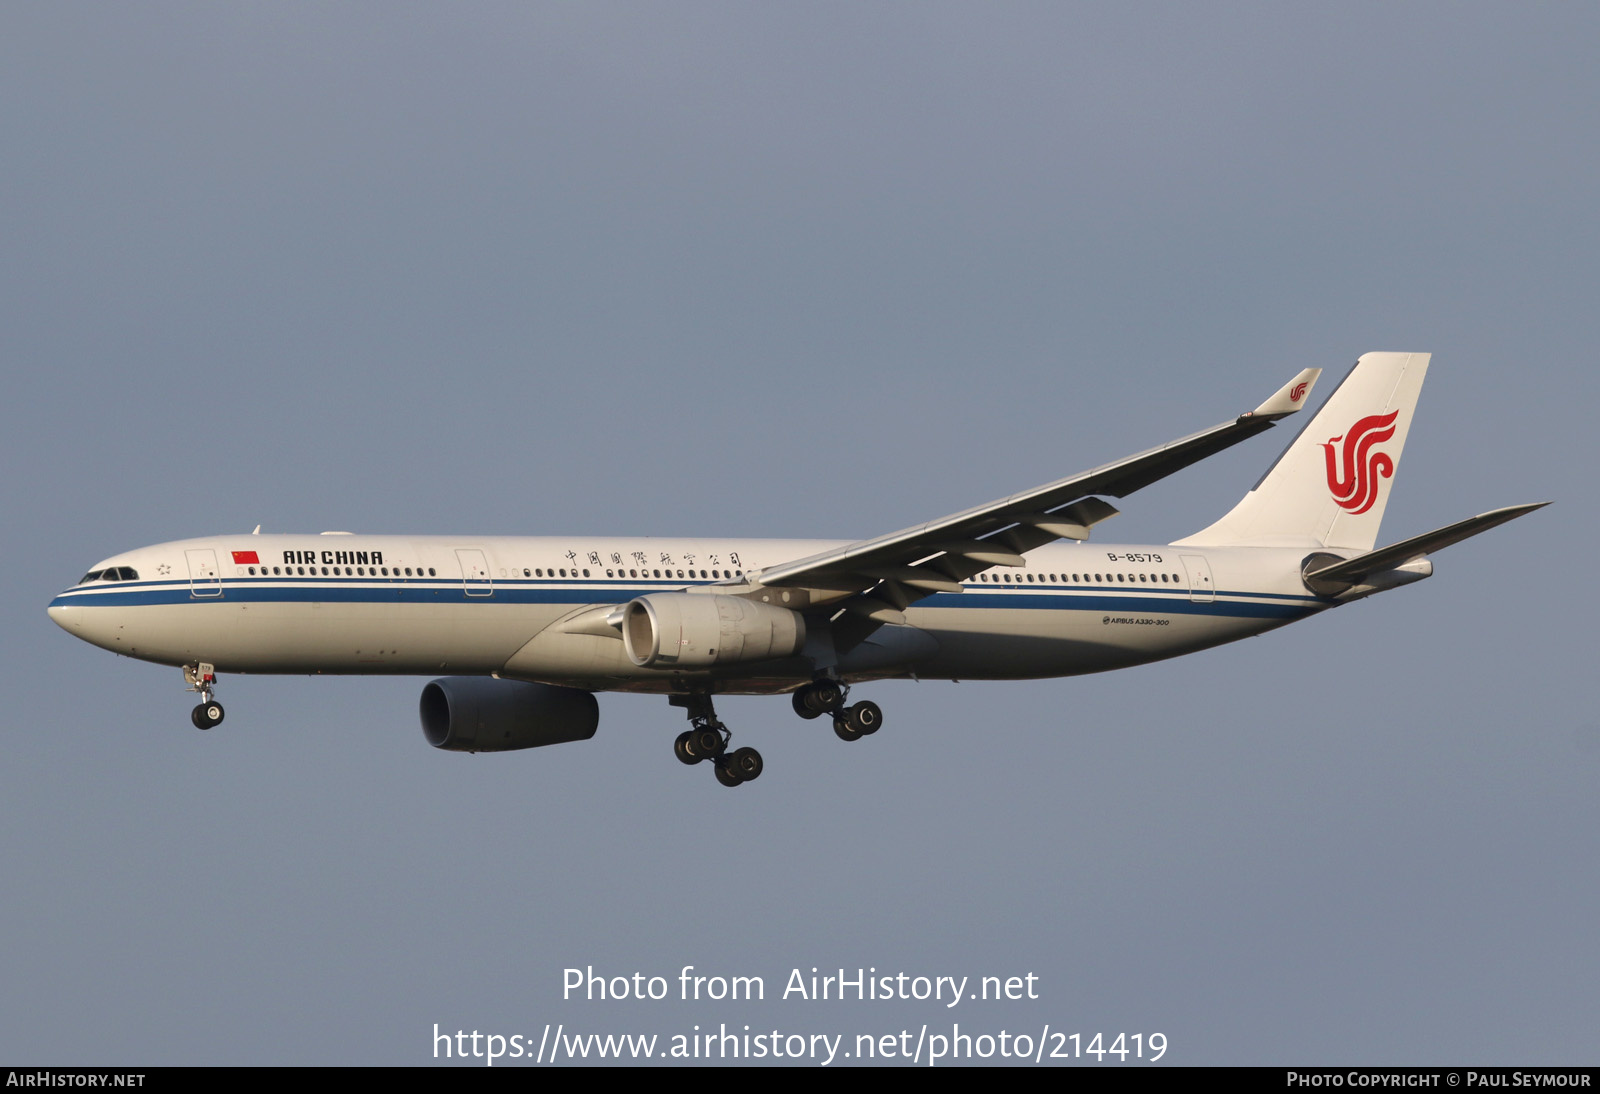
(111, 573)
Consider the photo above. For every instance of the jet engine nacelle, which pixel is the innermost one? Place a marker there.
(694, 630)
(481, 714)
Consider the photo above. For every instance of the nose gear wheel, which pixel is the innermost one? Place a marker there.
(202, 678)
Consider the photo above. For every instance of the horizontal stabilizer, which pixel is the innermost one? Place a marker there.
(1351, 571)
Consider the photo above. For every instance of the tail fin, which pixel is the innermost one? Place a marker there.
(1328, 488)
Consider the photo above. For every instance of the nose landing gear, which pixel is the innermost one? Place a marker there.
(202, 678)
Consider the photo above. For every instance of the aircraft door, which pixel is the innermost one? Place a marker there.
(1202, 590)
(475, 572)
(204, 578)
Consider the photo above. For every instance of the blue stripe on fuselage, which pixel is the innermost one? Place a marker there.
(328, 590)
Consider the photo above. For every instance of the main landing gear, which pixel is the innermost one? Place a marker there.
(824, 696)
(707, 739)
(203, 679)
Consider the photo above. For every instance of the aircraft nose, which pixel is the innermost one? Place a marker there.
(93, 624)
(86, 623)
(58, 612)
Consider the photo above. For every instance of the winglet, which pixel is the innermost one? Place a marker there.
(1288, 398)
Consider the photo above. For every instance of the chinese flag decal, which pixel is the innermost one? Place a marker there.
(245, 558)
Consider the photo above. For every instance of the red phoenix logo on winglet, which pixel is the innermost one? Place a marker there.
(1298, 392)
(1354, 482)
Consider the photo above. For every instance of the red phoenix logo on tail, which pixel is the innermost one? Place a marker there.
(1298, 393)
(1353, 481)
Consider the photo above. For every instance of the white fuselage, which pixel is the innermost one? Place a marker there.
(353, 604)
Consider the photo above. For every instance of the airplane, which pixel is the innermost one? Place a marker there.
(527, 629)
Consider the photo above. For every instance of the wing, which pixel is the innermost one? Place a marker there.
(877, 579)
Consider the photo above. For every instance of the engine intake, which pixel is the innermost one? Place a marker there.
(693, 630)
(481, 714)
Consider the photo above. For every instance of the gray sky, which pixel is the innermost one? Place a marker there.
(817, 270)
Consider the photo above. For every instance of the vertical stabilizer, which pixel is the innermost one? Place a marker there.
(1331, 484)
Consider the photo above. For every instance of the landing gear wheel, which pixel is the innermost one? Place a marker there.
(746, 763)
(705, 743)
(822, 696)
(680, 749)
(727, 776)
(864, 718)
(827, 697)
(844, 730)
(206, 715)
(801, 704)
